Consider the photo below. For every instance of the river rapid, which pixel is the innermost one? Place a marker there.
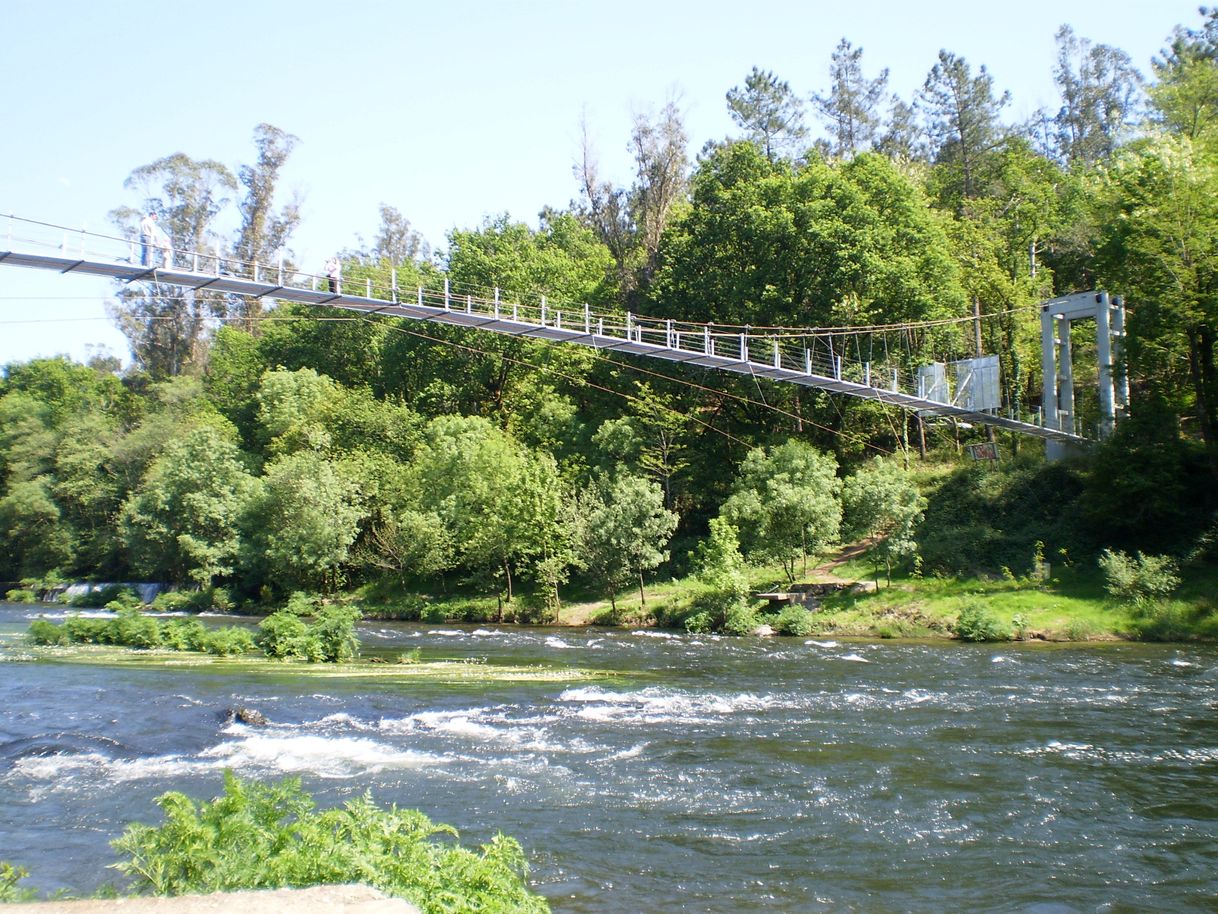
(710, 775)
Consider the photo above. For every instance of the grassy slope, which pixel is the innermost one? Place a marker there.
(1071, 605)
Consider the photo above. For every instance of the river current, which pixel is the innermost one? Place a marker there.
(710, 775)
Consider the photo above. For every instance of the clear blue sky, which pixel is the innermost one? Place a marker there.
(449, 111)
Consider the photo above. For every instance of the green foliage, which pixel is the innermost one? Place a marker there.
(975, 623)
(184, 635)
(301, 603)
(785, 503)
(21, 595)
(182, 523)
(273, 836)
(285, 636)
(226, 642)
(10, 892)
(43, 632)
(626, 530)
(794, 620)
(1139, 579)
(721, 600)
(334, 630)
(882, 499)
(979, 519)
(133, 629)
(100, 596)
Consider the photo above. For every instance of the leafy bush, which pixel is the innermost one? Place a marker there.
(43, 632)
(100, 596)
(795, 621)
(21, 595)
(183, 635)
(125, 600)
(301, 603)
(274, 837)
(80, 630)
(1166, 622)
(133, 629)
(285, 636)
(699, 623)
(975, 623)
(739, 620)
(227, 642)
(9, 890)
(1141, 579)
(334, 630)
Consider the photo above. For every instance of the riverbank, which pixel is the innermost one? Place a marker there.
(323, 899)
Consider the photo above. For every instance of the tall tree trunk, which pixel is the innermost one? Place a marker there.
(1201, 370)
(642, 596)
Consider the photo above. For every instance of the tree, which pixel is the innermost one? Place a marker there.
(182, 524)
(264, 233)
(720, 570)
(1185, 93)
(769, 112)
(1159, 245)
(36, 540)
(661, 166)
(961, 114)
(881, 499)
(499, 503)
(1100, 90)
(626, 530)
(165, 325)
(396, 241)
(785, 503)
(850, 107)
(302, 521)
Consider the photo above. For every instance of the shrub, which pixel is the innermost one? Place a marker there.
(227, 642)
(699, 623)
(21, 595)
(133, 629)
(80, 630)
(183, 635)
(274, 836)
(285, 636)
(795, 621)
(43, 632)
(739, 620)
(100, 596)
(335, 633)
(976, 624)
(1166, 622)
(1141, 579)
(301, 603)
(9, 890)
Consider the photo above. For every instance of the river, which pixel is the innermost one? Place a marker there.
(711, 775)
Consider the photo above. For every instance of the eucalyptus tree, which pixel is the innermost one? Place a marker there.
(769, 112)
(851, 106)
(630, 221)
(1101, 91)
(264, 232)
(397, 242)
(961, 113)
(165, 325)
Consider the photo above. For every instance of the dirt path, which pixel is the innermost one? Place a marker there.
(826, 571)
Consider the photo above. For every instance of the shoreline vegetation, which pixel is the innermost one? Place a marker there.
(847, 596)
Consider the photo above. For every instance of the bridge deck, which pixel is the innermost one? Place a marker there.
(462, 313)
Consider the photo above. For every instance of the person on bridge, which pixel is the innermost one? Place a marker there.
(334, 272)
(165, 246)
(148, 237)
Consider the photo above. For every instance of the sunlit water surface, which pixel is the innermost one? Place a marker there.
(711, 775)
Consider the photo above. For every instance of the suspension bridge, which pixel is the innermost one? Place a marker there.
(823, 359)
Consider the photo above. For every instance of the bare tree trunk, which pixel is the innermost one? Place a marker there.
(642, 596)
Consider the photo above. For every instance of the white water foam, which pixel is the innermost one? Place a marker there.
(556, 642)
(854, 658)
(821, 643)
